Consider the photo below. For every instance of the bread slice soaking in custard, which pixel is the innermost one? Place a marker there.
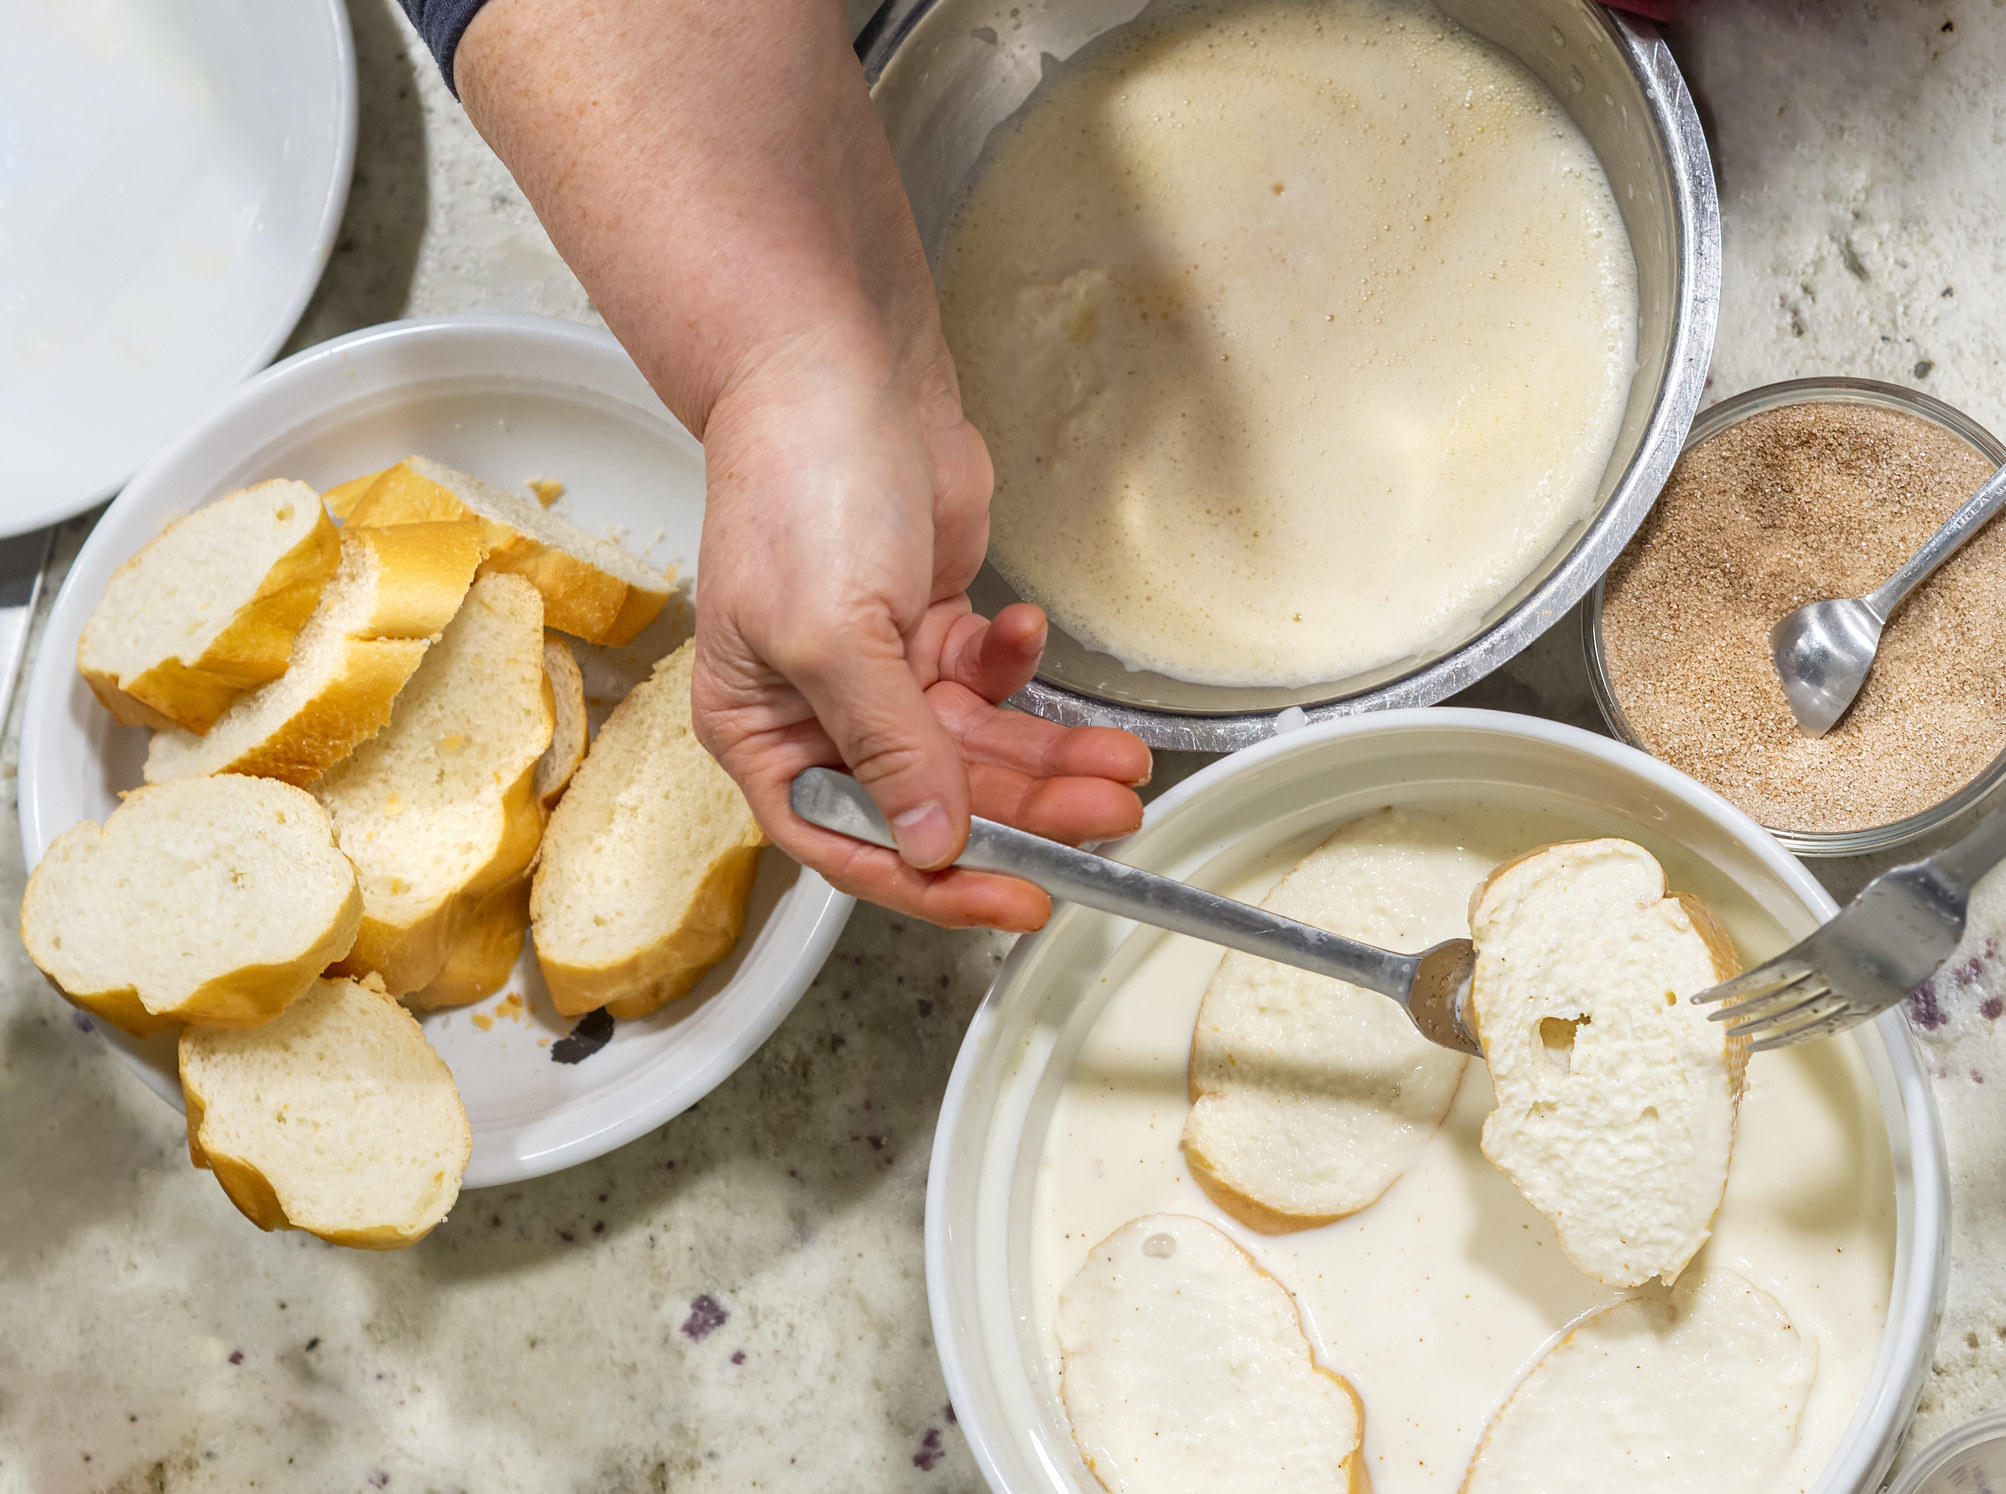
(1698, 1393)
(1311, 1096)
(1184, 1370)
(1615, 1094)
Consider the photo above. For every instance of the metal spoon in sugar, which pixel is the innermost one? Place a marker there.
(1824, 650)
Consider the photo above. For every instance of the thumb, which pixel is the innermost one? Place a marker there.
(874, 711)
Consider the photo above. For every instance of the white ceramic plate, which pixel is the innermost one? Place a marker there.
(173, 174)
(508, 399)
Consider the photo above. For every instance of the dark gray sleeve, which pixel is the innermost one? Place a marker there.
(440, 23)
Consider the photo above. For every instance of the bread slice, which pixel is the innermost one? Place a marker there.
(590, 587)
(568, 734)
(487, 942)
(343, 496)
(337, 1118)
(212, 900)
(648, 862)
(1184, 1370)
(393, 592)
(439, 808)
(210, 608)
(1615, 1095)
(1310, 1096)
(1699, 1391)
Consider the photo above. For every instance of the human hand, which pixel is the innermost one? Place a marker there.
(847, 512)
(724, 191)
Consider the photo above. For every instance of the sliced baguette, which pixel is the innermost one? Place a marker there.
(487, 942)
(569, 733)
(1184, 1370)
(590, 587)
(393, 592)
(210, 608)
(337, 1119)
(1309, 1096)
(439, 808)
(1699, 1392)
(343, 496)
(1615, 1095)
(214, 900)
(649, 860)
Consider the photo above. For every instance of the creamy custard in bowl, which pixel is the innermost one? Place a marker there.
(1435, 1300)
(1300, 334)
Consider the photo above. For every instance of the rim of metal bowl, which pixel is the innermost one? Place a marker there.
(1733, 411)
(1696, 213)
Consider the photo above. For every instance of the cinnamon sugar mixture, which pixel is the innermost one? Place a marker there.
(1790, 506)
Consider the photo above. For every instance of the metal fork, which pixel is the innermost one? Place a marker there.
(1883, 944)
(1434, 985)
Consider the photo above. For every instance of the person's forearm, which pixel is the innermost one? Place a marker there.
(713, 173)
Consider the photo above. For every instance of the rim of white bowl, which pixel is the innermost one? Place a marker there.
(1920, 1273)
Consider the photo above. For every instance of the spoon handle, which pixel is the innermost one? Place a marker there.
(836, 801)
(1939, 547)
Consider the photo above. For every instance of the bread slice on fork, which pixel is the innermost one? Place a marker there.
(1616, 1096)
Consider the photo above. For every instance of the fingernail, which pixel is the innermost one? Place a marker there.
(925, 837)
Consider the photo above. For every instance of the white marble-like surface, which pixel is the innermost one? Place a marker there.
(538, 1341)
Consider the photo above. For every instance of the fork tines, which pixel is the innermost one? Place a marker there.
(1785, 1001)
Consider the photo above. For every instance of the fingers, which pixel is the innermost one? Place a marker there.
(1033, 745)
(995, 659)
(1068, 809)
(766, 764)
(863, 693)
(954, 898)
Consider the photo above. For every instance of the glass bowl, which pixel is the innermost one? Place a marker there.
(1710, 424)
(1965, 1461)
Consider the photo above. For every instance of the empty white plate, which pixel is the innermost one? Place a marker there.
(508, 399)
(172, 175)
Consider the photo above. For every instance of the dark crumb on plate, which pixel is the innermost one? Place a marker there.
(593, 1032)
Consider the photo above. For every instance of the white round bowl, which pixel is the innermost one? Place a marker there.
(174, 181)
(1215, 826)
(507, 398)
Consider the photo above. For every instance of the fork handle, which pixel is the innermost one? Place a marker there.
(1974, 853)
(836, 801)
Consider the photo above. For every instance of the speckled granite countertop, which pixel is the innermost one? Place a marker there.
(736, 1301)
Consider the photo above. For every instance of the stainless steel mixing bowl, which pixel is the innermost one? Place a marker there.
(946, 73)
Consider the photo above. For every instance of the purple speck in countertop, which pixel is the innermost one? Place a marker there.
(707, 1315)
(738, 1356)
(236, 1356)
(930, 1451)
(82, 1023)
(1991, 1007)
(1924, 1009)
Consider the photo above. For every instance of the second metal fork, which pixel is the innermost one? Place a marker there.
(1883, 944)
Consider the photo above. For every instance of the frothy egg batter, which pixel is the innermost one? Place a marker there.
(1300, 334)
